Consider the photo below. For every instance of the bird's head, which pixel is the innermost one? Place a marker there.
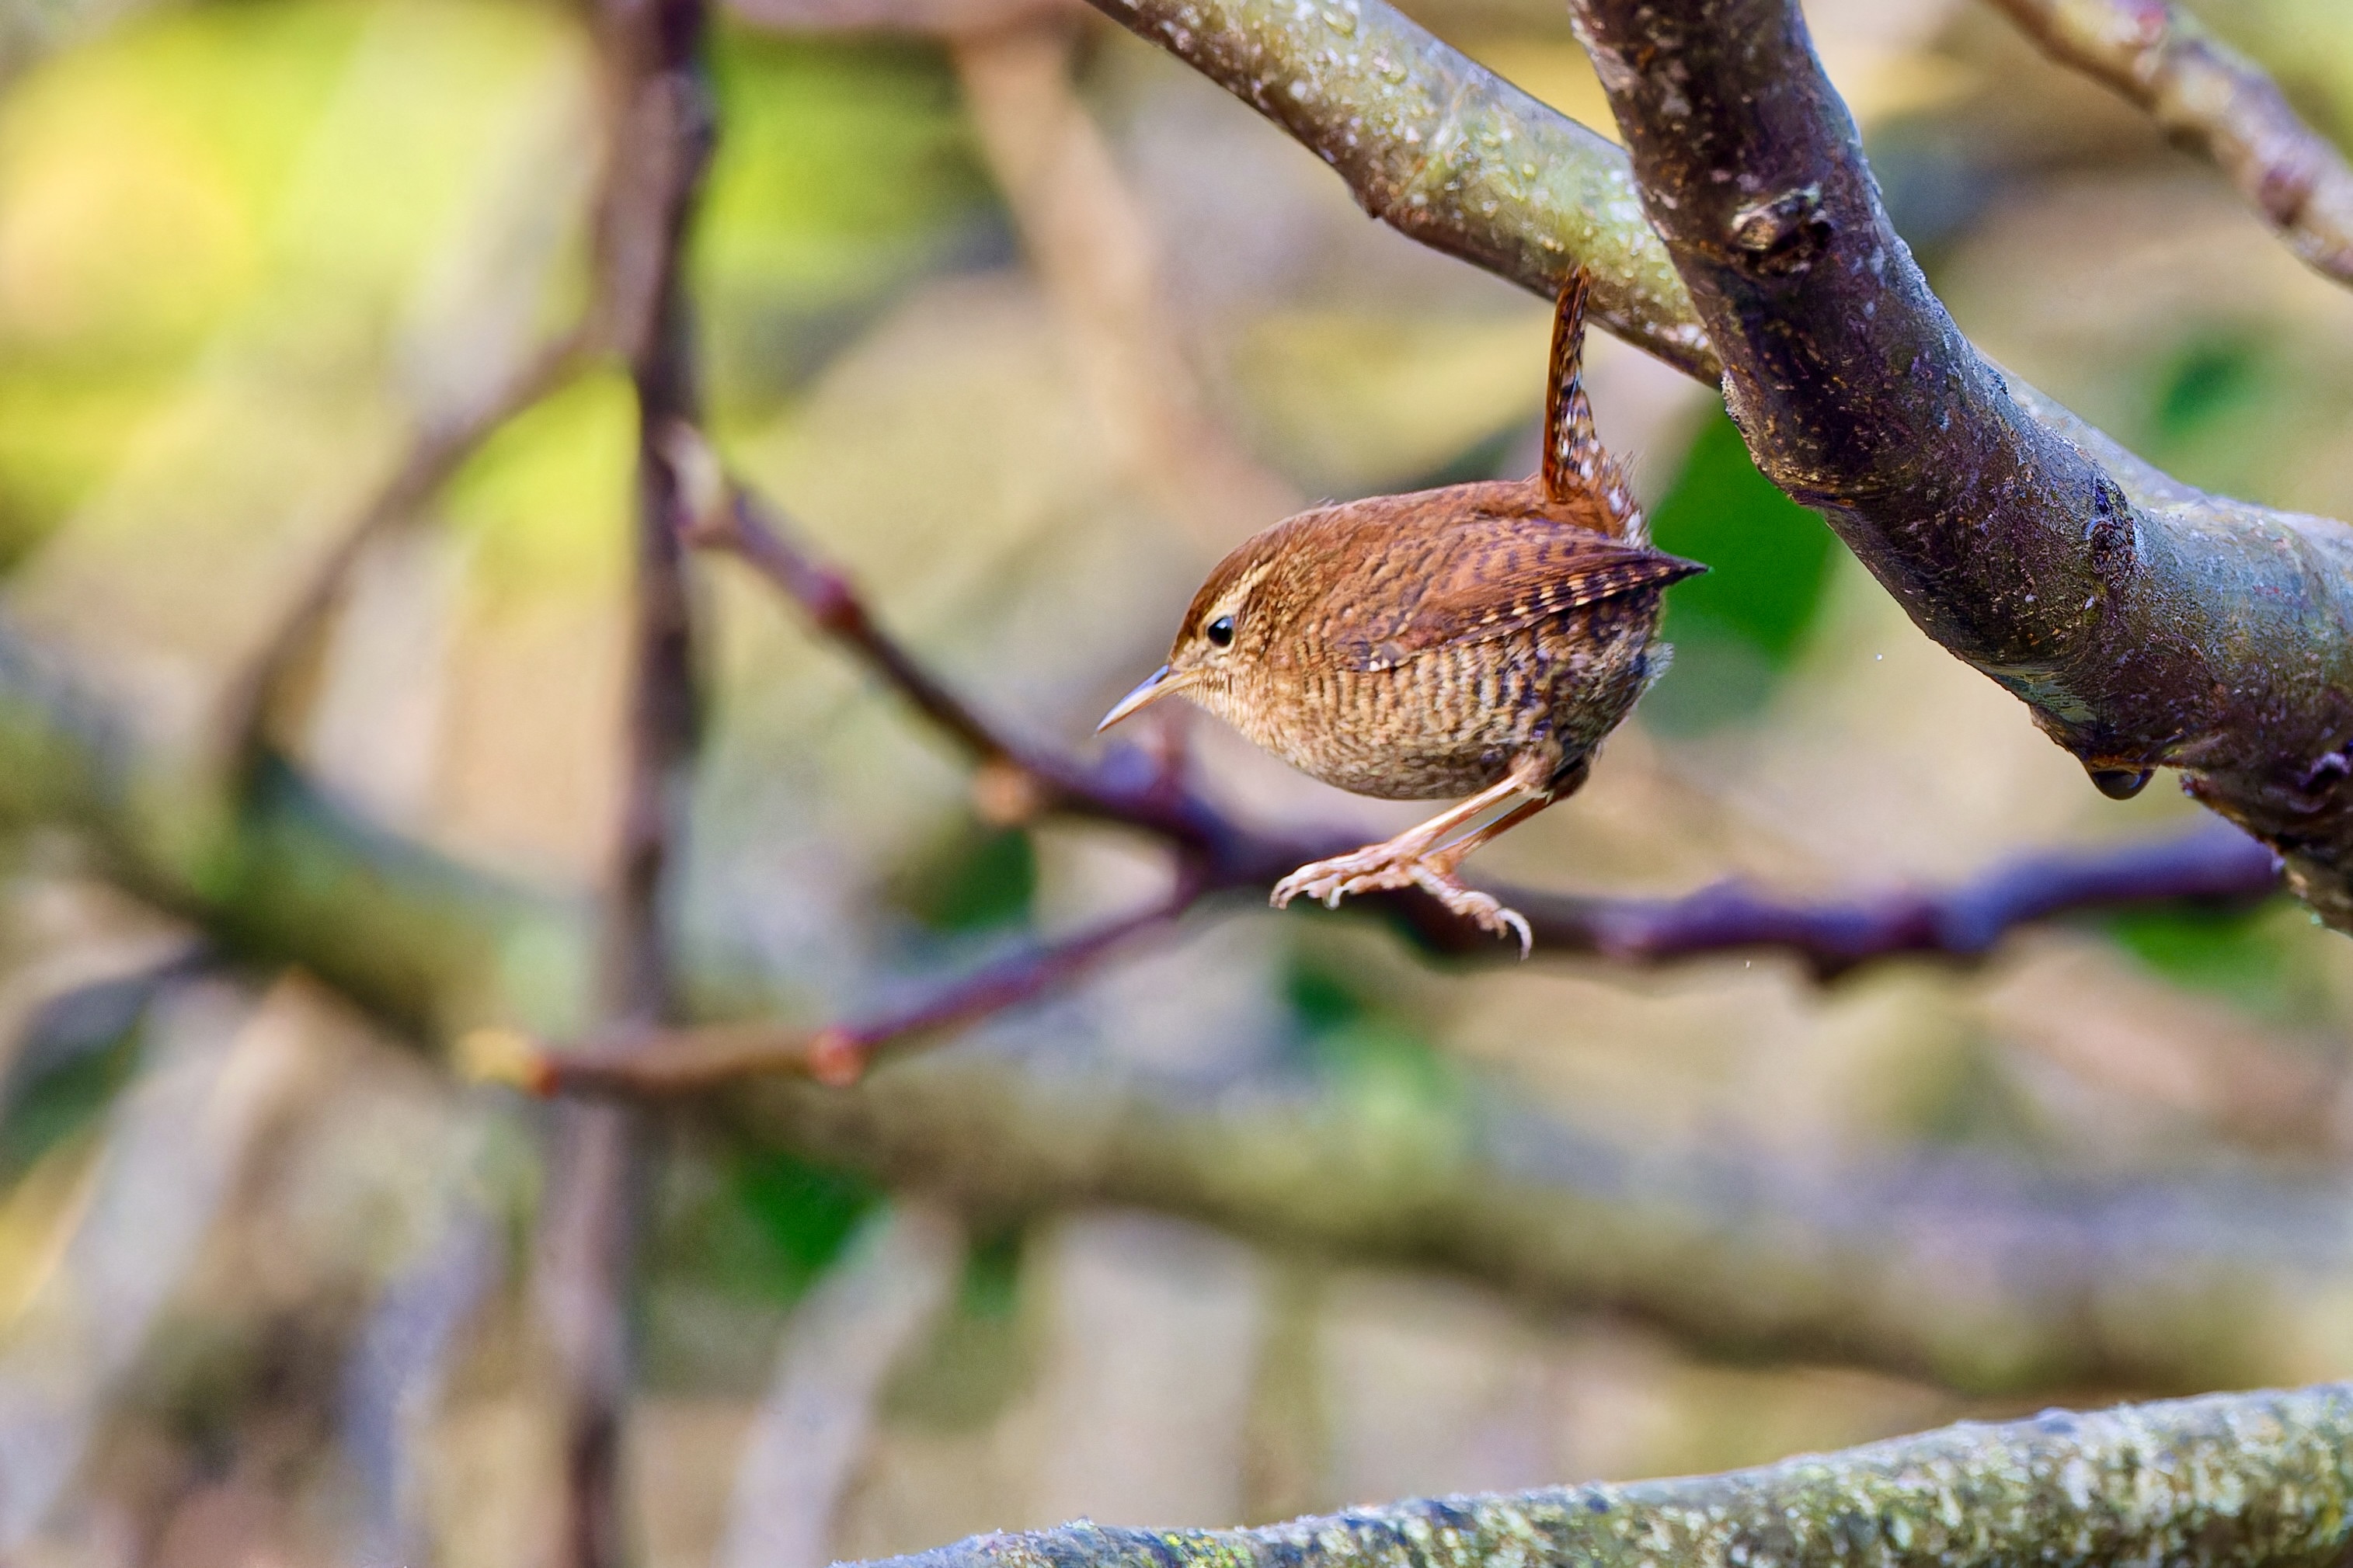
(1229, 627)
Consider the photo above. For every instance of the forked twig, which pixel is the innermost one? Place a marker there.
(681, 1061)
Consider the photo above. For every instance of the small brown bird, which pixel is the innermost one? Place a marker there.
(1480, 639)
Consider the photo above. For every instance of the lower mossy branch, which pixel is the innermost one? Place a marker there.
(1959, 1269)
(2226, 1482)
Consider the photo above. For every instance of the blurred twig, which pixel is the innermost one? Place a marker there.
(2228, 1481)
(1092, 247)
(436, 453)
(2214, 100)
(661, 112)
(681, 1061)
(811, 1432)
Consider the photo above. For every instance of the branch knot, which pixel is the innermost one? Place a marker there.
(1782, 238)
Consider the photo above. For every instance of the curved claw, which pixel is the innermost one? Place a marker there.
(1372, 870)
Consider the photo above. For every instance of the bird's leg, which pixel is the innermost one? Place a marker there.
(1413, 859)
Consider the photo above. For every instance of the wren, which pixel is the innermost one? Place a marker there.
(1479, 640)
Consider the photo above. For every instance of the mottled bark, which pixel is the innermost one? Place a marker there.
(2145, 624)
(2229, 1481)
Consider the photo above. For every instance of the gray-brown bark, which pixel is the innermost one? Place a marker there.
(2144, 624)
(2230, 1481)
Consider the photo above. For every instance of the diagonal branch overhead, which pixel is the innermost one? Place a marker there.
(2144, 623)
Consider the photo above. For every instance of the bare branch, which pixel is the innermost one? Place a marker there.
(650, 1063)
(2144, 623)
(2215, 102)
(2216, 863)
(659, 111)
(2227, 1481)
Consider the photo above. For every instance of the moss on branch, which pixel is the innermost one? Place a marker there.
(2228, 1481)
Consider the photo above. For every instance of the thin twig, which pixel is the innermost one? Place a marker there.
(661, 118)
(436, 453)
(2213, 100)
(2212, 863)
(641, 1063)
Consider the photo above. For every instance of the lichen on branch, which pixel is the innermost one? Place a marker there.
(2230, 1480)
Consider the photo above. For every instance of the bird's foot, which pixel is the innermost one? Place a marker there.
(1381, 866)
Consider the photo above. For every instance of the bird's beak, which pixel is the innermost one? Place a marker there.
(1154, 686)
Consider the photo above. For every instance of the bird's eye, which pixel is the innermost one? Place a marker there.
(1220, 631)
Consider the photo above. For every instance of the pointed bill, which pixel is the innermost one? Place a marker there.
(1150, 690)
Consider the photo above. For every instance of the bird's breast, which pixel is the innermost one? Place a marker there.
(1452, 720)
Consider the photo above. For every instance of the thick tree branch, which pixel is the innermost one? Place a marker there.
(1442, 149)
(2200, 636)
(2228, 1481)
(2215, 102)
(2145, 624)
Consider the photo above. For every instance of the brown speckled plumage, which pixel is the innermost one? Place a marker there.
(1415, 647)
(1480, 639)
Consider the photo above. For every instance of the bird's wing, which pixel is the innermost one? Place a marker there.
(1494, 576)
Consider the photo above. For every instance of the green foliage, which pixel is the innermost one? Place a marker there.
(546, 503)
(804, 1212)
(1736, 628)
(977, 879)
(236, 200)
(2269, 960)
(1373, 1057)
(766, 1227)
(2212, 379)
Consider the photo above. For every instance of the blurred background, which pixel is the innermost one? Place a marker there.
(1025, 328)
